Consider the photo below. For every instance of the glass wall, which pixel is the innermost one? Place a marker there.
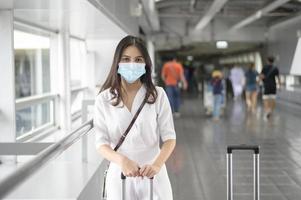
(32, 78)
(32, 72)
(292, 82)
(295, 68)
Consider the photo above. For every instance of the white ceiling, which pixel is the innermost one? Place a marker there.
(178, 19)
(78, 16)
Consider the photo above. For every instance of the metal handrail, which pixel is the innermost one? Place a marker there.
(78, 89)
(21, 174)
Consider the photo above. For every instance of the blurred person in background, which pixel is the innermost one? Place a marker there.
(251, 87)
(268, 75)
(237, 78)
(217, 89)
(173, 75)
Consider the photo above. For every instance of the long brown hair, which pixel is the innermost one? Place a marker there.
(113, 82)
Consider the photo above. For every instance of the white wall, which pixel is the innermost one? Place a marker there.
(282, 43)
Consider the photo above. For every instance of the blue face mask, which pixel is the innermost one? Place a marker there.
(131, 71)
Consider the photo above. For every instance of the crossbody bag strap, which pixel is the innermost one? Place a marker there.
(121, 140)
(270, 71)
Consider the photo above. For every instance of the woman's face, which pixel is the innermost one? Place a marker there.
(132, 54)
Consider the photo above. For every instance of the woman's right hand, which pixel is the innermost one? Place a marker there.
(129, 168)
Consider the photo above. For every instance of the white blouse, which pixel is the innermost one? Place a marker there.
(154, 122)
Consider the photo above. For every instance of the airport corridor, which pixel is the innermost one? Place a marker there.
(63, 61)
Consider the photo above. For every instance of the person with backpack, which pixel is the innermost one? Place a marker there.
(268, 75)
(173, 74)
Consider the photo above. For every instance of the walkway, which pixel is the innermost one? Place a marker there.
(197, 169)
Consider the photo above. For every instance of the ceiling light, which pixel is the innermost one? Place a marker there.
(190, 58)
(222, 44)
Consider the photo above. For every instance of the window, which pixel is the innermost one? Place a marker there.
(33, 117)
(32, 78)
(296, 64)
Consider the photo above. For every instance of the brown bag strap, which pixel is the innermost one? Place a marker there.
(121, 140)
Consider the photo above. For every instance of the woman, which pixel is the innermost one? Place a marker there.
(251, 88)
(127, 85)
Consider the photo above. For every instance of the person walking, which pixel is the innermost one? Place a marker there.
(251, 88)
(268, 75)
(173, 74)
(217, 88)
(237, 78)
(128, 94)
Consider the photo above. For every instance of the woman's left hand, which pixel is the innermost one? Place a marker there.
(149, 170)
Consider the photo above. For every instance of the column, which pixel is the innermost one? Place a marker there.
(151, 51)
(7, 81)
(60, 78)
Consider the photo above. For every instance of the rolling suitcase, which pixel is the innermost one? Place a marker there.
(151, 187)
(256, 191)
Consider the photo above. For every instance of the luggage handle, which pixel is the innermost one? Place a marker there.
(151, 187)
(124, 177)
(243, 147)
(256, 189)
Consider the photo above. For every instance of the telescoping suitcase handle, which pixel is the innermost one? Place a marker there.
(151, 187)
(230, 149)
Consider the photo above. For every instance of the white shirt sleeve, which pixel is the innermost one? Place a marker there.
(165, 119)
(101, 131)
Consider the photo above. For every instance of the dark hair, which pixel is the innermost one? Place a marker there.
(271, 59)
(113, 81)
(173, 56)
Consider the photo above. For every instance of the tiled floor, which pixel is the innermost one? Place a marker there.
(197, 168)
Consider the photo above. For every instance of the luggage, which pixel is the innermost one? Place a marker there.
(256, 191)
(151, 187)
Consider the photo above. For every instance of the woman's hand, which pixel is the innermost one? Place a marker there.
(129, 168)
(149, 170)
